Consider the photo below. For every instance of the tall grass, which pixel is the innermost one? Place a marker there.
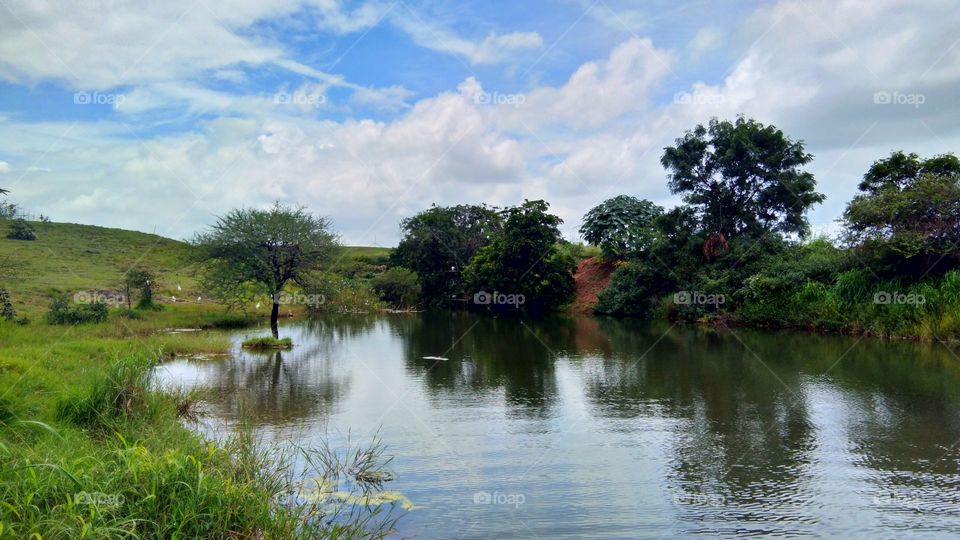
(118, 464)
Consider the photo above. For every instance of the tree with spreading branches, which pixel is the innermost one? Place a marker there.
(265, 250)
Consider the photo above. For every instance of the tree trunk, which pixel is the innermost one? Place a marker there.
(274, 318)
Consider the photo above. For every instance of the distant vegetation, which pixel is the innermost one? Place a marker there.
(739, 252)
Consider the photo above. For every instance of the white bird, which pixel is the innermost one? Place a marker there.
(199, 298)
(178, 288)
(257, 306)
(174, 298)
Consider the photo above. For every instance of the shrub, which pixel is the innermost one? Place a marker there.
(21, 230)
(397, 287)
(62, 311)
(341, 294)
(6, 307)
(629, 292)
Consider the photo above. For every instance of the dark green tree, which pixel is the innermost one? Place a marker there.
(906, 220)
(438, 243)
(523, 259)
(398, 287)
(621, 225)
(743, 178)
(901, 170)
(265, 249)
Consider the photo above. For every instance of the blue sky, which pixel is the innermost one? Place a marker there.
(159, 116)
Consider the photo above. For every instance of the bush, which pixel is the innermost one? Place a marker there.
(62, 311)
(21, 230)
(341, 294)
(629, 291)
(397, 287)
(6, 307)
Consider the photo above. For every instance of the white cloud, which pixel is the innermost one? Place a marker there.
(811, 68)
(4, 167)
(706, 39)
(493, 49)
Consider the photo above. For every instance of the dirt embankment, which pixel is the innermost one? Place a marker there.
(592, 276)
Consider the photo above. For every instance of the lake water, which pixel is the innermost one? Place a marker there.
(604, 428)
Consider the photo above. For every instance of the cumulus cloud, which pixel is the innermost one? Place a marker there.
(812, 68)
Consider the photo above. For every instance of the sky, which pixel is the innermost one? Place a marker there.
(159, 116)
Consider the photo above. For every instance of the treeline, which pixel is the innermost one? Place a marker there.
(737, 251)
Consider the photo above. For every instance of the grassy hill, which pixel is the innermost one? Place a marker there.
(67, 258)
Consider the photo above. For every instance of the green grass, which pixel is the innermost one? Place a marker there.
(91, 449)
(267, 343)
(68, 258)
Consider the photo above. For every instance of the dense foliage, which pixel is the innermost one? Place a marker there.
(906, 219)
(398, 287)
(523, 264)
(742, 178)
(621, 225)
(735, 252)
(503, 260)
(63, 311)
(21, 230)
(437, 245)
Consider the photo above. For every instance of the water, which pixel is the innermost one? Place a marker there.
(604, 428)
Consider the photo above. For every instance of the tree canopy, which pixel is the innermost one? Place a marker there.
(523, 259)
(265, 249)
(901, 170)
(439, 242)
(743, 178)
(621, 225)
(908, 212)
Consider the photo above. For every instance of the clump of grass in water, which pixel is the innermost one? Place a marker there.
(267, 343)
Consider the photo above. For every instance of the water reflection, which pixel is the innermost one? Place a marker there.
(621, 427)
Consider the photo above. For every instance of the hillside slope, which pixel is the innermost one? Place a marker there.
(67, 258)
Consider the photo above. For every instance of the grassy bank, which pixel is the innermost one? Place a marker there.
(91, 449)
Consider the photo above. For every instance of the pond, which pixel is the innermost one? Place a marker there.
(606, 428)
